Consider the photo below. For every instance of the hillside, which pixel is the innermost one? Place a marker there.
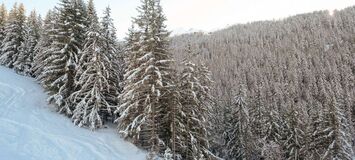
(291, 73)
(273, 90)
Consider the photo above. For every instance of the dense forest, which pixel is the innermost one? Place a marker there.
(271, 90)
(283, 89)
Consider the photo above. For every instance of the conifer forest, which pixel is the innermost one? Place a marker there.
(266, 90)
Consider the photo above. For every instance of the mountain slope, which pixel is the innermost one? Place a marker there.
(29, 129)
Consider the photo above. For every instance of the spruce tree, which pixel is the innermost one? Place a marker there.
(335, 131)
(3, 21)
(92, 100)
(109, 33)
(273, 126)
(189, 86)
(91, 13)
(195, 96)
(240, 143)
(42, 50)
(148, 80)
(14, 31)
(59, 76)
(294, 136)
(110, 49)
(257, 112)
(23, 65)
(294, 133)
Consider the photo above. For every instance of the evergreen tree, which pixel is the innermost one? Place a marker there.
(148, 81)
(220, 123)
(91, 14)
(294, 135)
(31, 35)
(93, 78)
(59, 75)
(109, 33)
(273, 126)
(335, 131)
(14, 36)
(257, 113)
(110, 49)
(240, 143)
(42, 50)
(3, 21)
(195, 110)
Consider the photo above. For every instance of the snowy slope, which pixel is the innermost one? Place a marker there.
(30, 130)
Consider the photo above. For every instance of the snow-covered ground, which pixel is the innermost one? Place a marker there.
(31, 130)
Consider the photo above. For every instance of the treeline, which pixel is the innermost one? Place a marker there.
(283, 89)
(69, 52)
(93, 79)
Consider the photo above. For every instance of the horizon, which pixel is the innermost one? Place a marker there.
(199, 15)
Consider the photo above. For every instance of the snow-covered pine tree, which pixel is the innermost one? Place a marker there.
(204, 76)
(235, 144)
(91, 13)
(59, 76)
(294, 130)
(272, 141)
(14, 31)
(257, 112)
(129, 109)
(92, 22)
(317, 137)
(92, 102)
(23, 64)
(191, 124)
(148, 82)
(110, 49)
(313, 134)
(219, 119)
(273, 119)
(195, 96)
(335, 129)
(294, 136)
(177, 129)
(43, 51)
(3, 20)
(241, 143)
(108, 31)
(273, 126)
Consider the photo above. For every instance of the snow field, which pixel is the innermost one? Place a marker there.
(31, 130)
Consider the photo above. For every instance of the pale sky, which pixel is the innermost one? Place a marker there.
(205, 15)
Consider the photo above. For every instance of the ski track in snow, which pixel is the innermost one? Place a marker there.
(31, 130)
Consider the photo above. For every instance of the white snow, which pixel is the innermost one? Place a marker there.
(32, 130)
